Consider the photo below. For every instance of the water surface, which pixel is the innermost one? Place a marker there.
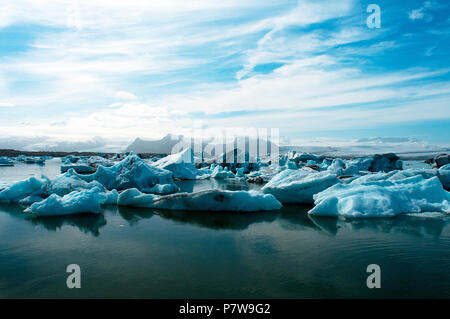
(146, 253)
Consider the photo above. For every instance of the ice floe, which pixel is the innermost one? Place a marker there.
(22, 189)
(134, 172)
(221, 173)
(382, 198)
(209, 200)
(180, 164)
(299, 186)
(87, 201)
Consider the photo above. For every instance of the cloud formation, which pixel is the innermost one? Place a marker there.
(130, 69)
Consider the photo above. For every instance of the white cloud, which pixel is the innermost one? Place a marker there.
(125, 69)
(6, 104)
(124, 95)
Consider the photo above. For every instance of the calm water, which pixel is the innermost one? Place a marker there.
(138, 253)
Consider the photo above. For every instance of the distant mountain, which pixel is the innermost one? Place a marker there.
(162, 146)
(166, 144)
(406, 148)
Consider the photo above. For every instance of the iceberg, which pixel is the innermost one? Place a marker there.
(209, 200)
(220, 173)
(133, 172)
(299, 186)
(79, 168)
(382, 198)
(341, 168)
(180, 164)
(442, 174)
(305, 157)
(88, 201)
(385, 163)
(5, 161)
(84, 164)
(27, 201)
(362, 163)
(22, 189)
(68, 182)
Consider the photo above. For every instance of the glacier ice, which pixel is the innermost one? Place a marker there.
(76, 202)
(68, 182)
(221, 173)
(382, 198)
(22, 189)
(209, 200)
(180, 164)
(299, 186)
(134, 172)
(79, 168)
(5, 161)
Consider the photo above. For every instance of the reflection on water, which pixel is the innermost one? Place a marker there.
(21, 171)
(219, 220)
(290, 217)
(147, 253)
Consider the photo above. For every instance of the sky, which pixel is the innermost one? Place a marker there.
(91, 75)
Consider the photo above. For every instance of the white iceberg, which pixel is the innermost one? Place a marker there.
(442, 174)
(180, 164)
(341, 168)
(221, 173)
(22, 189)
(299, 186)
(5, 161)
(68, 182)
(133, 172)
(27, 201)
(209, 200)
(77, 202)
(382, 198)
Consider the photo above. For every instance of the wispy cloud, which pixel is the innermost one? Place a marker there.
(125, 69)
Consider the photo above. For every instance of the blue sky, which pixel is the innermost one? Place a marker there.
(125, 69)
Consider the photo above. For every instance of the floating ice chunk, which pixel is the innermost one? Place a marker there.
(443, 175)
(27, 201)
(240, 171)
(68, 182)
(180, 164)
(382, 198)
(88, 201)
(304, 157)
(385, 163)
(4, 185)
(20, 190)
(363, 163)
(299, 186)
(5, 161)
(79, 168)
(291, 165)
(133, 172)
(209, 200)
(341, 168)
(221, 173)
(98, 160)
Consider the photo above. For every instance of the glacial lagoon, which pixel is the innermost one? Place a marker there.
(145, 253)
